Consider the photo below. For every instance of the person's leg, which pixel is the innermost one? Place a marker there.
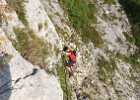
(71, 68)
(69, 71)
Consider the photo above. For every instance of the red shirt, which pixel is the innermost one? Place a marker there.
(71, 55)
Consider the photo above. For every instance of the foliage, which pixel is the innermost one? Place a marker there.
(30, 46)
(132, 9)
(19, 7)
(133, 59)
(62, 33)
(82, 15)
(109, 1)
(129, 38)
(61, 71)
(106, 69)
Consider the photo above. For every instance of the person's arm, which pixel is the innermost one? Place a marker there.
(68, 53)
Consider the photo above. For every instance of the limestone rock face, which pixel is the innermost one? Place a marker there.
(108, 60)
(20, 80)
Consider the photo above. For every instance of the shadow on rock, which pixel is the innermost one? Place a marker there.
(5, 82)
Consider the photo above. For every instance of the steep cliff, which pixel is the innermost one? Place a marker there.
(33, 33)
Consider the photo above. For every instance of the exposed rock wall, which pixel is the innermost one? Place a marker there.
(103, 72)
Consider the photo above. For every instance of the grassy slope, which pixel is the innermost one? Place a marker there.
(30, 46)
(63, 77)
(18, 6)
(81, 15)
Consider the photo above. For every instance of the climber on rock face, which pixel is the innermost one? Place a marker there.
(70, 59)
(71, 54)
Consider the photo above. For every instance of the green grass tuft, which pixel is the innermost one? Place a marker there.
(61, 71)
